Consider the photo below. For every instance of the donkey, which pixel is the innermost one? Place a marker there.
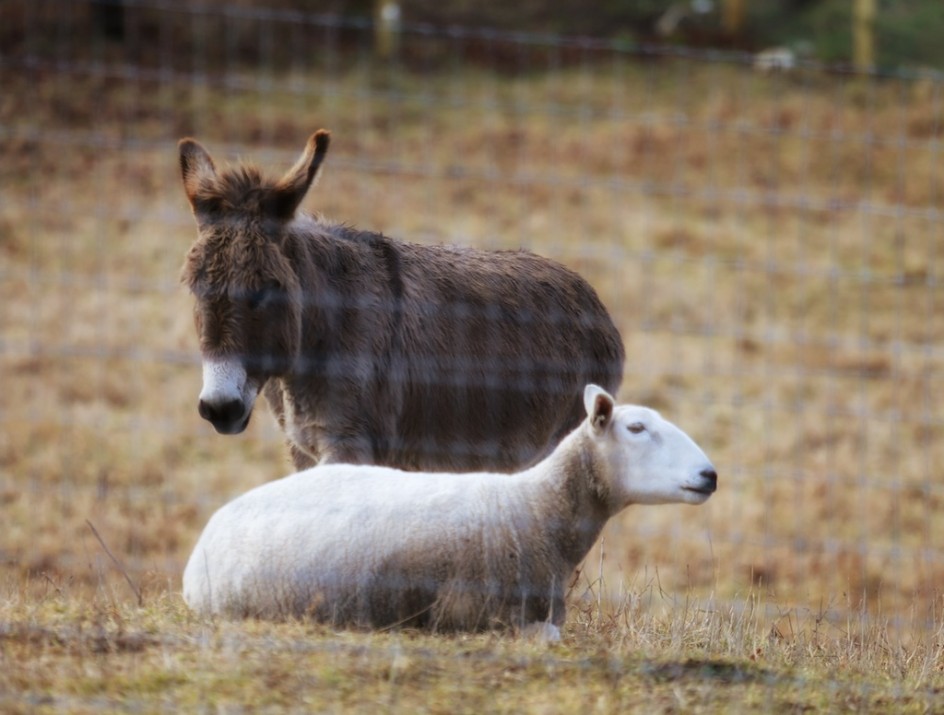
(371, 350)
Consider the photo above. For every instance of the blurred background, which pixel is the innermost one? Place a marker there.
(754, 189)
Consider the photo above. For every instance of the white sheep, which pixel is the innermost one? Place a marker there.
(376, 547)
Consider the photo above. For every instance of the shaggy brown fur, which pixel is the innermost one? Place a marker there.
(372, 350)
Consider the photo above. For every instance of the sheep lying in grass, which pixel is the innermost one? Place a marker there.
(375, 547)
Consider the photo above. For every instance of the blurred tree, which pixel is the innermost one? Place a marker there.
(108, 17)
(904, 32)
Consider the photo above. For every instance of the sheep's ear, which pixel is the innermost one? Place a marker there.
(195, 167)
(599, 405)
(291, 189)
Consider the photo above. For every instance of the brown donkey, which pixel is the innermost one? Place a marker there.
(374, 351)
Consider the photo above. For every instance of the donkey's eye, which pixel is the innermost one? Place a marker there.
(636, 427)
(256, 297)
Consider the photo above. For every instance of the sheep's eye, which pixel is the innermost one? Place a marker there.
(637, 427)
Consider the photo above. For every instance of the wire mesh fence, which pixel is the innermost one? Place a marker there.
(767, 242)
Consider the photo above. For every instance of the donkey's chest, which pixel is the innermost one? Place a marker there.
(303, 429)
(306, 437)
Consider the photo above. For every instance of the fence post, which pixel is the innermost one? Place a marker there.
(386, 27)
(863, 34)
(732, 17)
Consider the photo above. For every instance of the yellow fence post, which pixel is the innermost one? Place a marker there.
(732, 17)
(386, 27)
(863, 34)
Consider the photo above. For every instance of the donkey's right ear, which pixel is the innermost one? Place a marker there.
(195, 166)
(292, 188)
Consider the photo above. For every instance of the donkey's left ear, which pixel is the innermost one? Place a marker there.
(599, 405)
(291, 189)
(195, 166)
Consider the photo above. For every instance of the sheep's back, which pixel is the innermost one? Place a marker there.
(338, 542)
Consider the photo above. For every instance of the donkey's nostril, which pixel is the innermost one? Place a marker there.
(221, 413)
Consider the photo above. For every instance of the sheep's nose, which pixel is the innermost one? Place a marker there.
(710, 476)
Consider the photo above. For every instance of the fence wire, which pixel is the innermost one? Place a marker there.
(768, 243)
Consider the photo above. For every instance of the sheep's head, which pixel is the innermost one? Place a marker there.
(649, 460)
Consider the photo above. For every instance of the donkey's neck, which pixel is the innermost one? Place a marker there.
(320, 245)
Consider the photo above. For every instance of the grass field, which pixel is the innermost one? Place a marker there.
(769, 247)
(67, 655)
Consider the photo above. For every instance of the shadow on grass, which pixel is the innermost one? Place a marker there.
(707, 670)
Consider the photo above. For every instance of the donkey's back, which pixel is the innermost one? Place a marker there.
(511, 339)
(483, 358)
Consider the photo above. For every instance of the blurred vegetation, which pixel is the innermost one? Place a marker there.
(907, 32)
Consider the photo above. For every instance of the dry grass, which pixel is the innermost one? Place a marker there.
(62, 653)
(769, 246)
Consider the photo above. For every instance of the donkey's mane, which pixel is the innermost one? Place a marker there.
(242, 188)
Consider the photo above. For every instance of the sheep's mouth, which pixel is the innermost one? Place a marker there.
(706, 491)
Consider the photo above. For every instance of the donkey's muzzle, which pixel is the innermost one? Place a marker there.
(227, 416)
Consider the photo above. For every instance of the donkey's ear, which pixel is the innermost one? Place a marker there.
(292, 188)
(599, 405)
(195, 166)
